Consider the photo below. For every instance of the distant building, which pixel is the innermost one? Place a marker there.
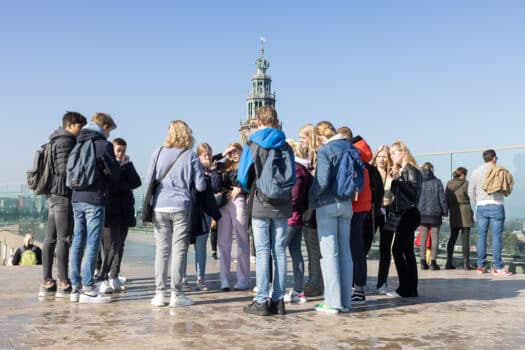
(260, 95)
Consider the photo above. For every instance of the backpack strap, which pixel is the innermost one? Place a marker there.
(259, 155)
(171, 165)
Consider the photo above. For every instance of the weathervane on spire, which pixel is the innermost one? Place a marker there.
(263, 40)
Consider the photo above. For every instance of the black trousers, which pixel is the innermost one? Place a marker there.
(403, 252)
(385, 244)
(58, 237)
(465, 233)
(113, 239)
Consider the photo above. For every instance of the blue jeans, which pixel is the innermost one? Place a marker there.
(270, 235)
(200, 254)
(333, 230)
(87, 231)
(294, 247)
(493, 215)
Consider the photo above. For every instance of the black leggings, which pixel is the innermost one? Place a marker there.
(403, 252)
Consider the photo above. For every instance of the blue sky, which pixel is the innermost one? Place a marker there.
(441, 75)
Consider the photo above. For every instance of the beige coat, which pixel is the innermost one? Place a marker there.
(458, 201)
(498, 179)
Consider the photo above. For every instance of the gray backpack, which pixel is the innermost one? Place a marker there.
(40, 177)
(82, 171)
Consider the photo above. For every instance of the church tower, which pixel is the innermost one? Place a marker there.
(260, 95)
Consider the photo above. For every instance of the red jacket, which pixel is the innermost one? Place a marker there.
(364, 199)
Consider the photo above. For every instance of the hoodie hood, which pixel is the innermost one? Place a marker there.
(427, 174)
(60, 132)
(91, 132)
(304, 162)
(269, 138)
(454, 184)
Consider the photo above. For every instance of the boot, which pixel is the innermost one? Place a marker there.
(434, 265)
(449, 265)
(424, 265)
(466, 264)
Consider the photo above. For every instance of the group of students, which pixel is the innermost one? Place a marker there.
(198, 192)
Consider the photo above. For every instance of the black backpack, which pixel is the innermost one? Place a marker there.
(40, 176)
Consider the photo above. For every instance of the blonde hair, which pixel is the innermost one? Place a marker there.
(103, 119)
(298, 150)
(309, 131)
(230, 164)
(204, 147)
(267, 115)
(28, 240)
(325, 128)
(408, 157)
(179, 135)
(386, 150)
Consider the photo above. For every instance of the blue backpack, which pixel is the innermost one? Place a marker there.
(276, 178)
(350, 174)
(81, 170)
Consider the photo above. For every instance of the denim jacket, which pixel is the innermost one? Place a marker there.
(324, 187)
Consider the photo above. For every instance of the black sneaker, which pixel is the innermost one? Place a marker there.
(214, 255)
(358, 297)
(276, 307)
(255, 308)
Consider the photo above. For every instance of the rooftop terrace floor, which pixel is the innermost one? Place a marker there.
(456, 309)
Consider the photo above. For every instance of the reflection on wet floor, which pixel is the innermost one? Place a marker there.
(456, 309)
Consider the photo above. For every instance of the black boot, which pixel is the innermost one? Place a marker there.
(449, 265)
(424, 265)
(434, 265)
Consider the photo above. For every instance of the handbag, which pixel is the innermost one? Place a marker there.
(392, 221)
(147, 206)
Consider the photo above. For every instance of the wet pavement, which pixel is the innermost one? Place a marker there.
(456, 309)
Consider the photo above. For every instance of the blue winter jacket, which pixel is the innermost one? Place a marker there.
(109, 169)
(324, 186)
(267, 138)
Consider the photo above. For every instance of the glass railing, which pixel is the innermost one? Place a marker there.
(512, 158)
(22, 212)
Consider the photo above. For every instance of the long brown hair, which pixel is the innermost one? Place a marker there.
(230, 165)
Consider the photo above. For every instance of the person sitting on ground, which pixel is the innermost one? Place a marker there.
(28, 254)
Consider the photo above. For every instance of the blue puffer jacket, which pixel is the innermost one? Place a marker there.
(98, 193)
(324, 186)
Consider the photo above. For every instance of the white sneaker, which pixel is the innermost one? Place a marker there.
(91, 297)
(115, 284)
(75, 294)
(122, 279)
(201, 284)
(295, 297)
(159, 299)
(393, 294)
(105, 287)
(383, 290)
(180, 300)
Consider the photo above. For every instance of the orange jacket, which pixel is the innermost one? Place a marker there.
(364, 199)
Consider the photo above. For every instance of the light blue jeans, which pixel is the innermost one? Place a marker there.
(294, 247)
(493, 215)
(172, 241)
(333, 230)
(87, 231)
(270, 235)
(200, 254)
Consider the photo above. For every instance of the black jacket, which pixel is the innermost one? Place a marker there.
(121, 206)
(202, 204)
(432, 203)
(406, 189)
(377, 187)
(109, 170)
(18, 254)
(62, 143)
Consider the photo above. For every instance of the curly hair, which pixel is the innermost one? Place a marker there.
(179, 135)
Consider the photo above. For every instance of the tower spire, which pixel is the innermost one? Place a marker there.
(263, 40)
